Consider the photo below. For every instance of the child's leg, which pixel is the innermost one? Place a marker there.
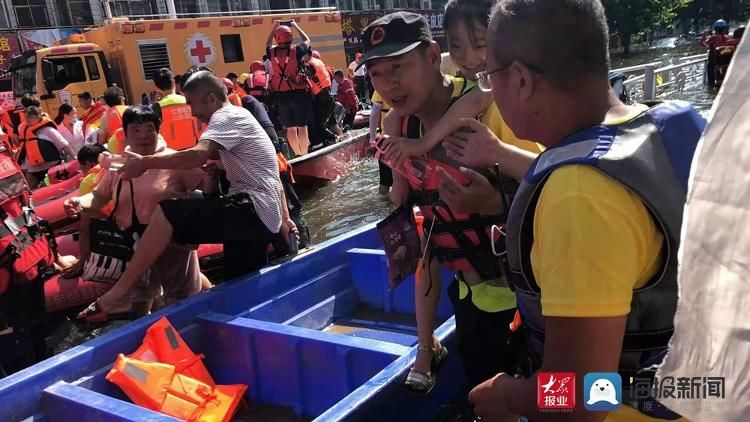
(426, 307)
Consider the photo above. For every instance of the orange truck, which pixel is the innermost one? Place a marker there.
(126, 52)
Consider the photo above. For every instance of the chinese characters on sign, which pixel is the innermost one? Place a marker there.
(556, 391)
(9, 47)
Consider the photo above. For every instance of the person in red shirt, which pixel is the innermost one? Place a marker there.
(719, 38)
(347, 96)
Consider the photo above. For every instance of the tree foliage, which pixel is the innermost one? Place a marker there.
(629, 17)
(702, 13)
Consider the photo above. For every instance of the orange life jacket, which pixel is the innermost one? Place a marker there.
(92, 115)
(10, 122)
(114, 118)
(117, 145)
(163, 374)
(178, 126)
(35, 150)
(462, 242)
(321, 79)
(258, 83)
(286, 72)
(235, 99)
(164, 344)
(160, 387)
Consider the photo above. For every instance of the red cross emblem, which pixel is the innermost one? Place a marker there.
(200, 51)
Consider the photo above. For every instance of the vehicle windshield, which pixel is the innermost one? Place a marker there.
(24, 76)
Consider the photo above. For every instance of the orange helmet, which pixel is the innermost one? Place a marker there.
(283, 34)
(228, 84)
(257, 65)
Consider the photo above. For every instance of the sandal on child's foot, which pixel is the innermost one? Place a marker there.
(424, 382)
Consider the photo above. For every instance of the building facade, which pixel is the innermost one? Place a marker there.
(36, 14)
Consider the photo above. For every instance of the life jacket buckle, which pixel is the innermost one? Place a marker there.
(497, 229)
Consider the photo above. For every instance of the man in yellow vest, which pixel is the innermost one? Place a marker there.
(178, 127)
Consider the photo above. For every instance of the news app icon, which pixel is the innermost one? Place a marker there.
(556, 390)
(602, 391)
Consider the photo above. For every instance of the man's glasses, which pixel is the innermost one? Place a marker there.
(483, 78)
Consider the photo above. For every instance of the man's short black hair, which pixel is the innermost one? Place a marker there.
(89, 154)
(338, 72)
(163, 79)
(139, 115)
(265, 57)
(231, 75)
(85, 95)
(565, 40)
(114, 96)
(207, 82)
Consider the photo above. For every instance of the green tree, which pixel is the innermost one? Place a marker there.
(629, 17)
(700, 14)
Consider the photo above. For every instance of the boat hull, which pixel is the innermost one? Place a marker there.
(330, 163)
(320, 336)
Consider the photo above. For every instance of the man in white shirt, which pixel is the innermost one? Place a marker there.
(359, 76)
(249, 217)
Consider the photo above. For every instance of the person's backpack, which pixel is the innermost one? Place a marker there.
(25, 251)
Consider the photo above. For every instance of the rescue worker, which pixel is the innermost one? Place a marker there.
(91, 113)
(458, 239)
(594, 230)
(232, 95)
(178, 126)
(42, 146)
(257, 82)
(288, 84)
(114, 98)
(12, 119)
(718, 39)
(320, 86)
(346, 95)
(236, 83)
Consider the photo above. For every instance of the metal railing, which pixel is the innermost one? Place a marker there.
(664, 79)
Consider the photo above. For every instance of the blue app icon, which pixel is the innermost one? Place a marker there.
(602, 391)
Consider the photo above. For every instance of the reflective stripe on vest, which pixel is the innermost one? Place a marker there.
(286, 71)
(322, 79)
(178, 126)
(38, 151)
(651, 155)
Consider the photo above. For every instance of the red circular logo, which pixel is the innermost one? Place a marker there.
(378, 35)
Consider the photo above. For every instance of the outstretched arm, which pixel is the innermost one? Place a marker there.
(470, 105)
(181, 160)
(305, 38)
(400, 189)
(269, 41)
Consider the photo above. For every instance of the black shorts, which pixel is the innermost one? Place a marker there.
(295, 107)
(485, 342)
(231, 221)
(386, 174)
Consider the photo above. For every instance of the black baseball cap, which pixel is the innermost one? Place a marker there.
(394, 35)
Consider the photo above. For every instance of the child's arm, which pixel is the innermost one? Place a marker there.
(470, 105)
(400, 190)
(375, 119)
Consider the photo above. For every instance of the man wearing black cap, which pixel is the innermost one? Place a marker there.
(404, 62)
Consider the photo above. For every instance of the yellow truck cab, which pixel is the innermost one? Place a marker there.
(58, 74)
(127, 52)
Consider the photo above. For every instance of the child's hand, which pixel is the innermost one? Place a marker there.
(397, 150)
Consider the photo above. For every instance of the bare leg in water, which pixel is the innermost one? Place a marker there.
(426, 307)
(304, 139)
(155, 240)
(293, 138)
